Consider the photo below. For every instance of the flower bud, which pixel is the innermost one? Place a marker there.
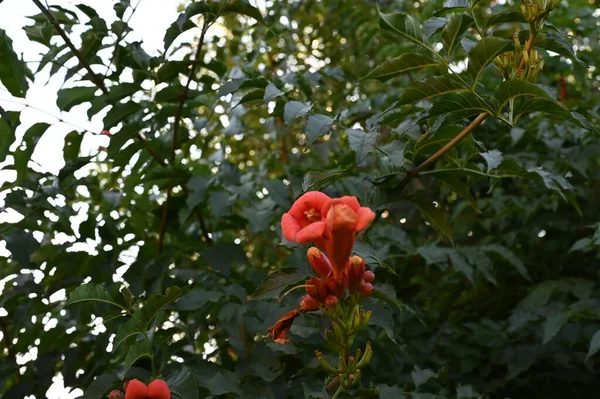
(136, 390)
(158, 389)
(355, 269)
(331, 301)
(366, 289)
(317, 289)
(336, 287)
(319, 262)
(309, 303)
(116, 394)
(369, 276)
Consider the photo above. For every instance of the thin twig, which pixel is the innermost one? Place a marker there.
(119, 39)
(95, 78)
(176, 123)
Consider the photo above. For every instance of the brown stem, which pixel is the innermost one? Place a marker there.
(333, 385)
(176, 123)
(464, 133)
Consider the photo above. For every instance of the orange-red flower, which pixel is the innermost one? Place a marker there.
(136, 389)
(343, 217)
(278, 331)
(319, 262)
(158, 389)
(304, 221)
(355, 270)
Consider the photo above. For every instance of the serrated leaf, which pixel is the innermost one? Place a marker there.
(452, 6)
(506, 17)
(457, 26)
(461, 103)
(437, 216)
(429, 88)
(135, 352)
(271, 92)
(399, 65)
(317, 125)
(13, 72)
(362, 143)
(420, 377)
(554, 324)
(272, 286)
(381, 316)
(315, 180)
(295, 109)
(403, 25)
(8, 124)
(119, 112)
(509, 256)
(460, 264)
(484, 52)
(557, 44)
(594, 345)
(91, 293)
(493, 159)
(68, 98)
(433, 26)
(461, 188)
(511, 89)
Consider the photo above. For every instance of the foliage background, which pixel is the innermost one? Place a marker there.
(488, 263)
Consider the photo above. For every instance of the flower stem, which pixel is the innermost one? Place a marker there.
(338, 392)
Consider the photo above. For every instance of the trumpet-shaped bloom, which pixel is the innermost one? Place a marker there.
(304, 221)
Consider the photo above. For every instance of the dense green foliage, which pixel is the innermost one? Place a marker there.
(486, 262)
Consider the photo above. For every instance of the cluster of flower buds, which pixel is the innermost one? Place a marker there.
(521, 63)
(348, 371)
(135, 389)
(536, 11)
(331, 224)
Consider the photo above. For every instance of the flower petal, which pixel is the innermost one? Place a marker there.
(279, 330)
(365, 217)
(289, 227)
(312, 232)
(310, 200)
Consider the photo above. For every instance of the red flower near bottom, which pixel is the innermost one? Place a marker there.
(135, 389)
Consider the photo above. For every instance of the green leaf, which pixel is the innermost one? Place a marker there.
(594, 345)
(182, 24)
(91, 293)
(13, 72)
(484, 53)
(493, 159)
(275, 283)
(452, 6)
(509, 256)
(229, 6)
(224, 255)
(119, 113)
(271, 93)
(68, 98)
(381, 316)
(433, 26)
(431, 87)
(315, 180)
(462, 103)
(506, 17)
(8, 124)
(457, 26)
(420, 377)
(295, 109)
(511, 89)
(403, 25)
(30, 138)
(221, 383)
(362, 143)
(135, 352)
(461, 265)
(557, 44)
(100, 386)
(317, 125)
(399, 65)
(465, 391)
(554, 324)
(183, 384)
(461, 188)
(437, 216)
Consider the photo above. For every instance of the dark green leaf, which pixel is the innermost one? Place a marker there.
(68, 98)
(317, 125)
(431, 87)
(484, 52)
(554, 324)
(493, 159)
(399, 65)
(436, 216)
(594, 345)
(139, 350)
(295, 109)
(362, 143)
(13, 72)
(91, 293)
(403, 25)
(457, 26)
(452, 6)
(8, 124)
(275, 283)
(420, 377)
(315, 181)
